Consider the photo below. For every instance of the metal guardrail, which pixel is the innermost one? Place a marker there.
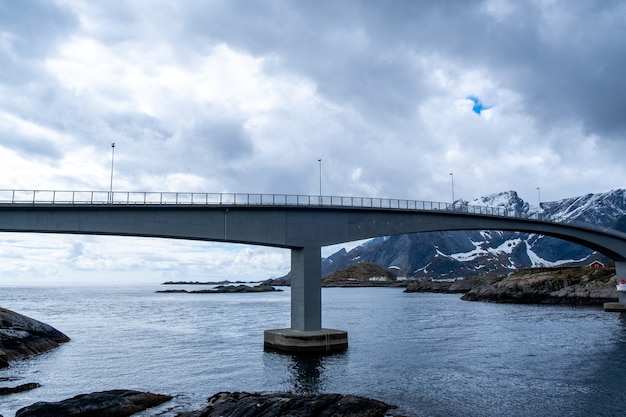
(51, 197)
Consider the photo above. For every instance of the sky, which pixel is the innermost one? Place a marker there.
(246, 96)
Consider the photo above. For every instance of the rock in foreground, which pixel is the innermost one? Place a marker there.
(114, 403)
(21, 336)
(239, 404)
(19, 388)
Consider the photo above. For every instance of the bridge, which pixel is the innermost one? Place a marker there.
(301, 223)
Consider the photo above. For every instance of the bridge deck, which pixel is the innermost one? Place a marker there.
(56, 197)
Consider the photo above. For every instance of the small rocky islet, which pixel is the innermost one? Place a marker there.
(226, 289)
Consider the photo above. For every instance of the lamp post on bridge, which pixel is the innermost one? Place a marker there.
(320, 161)
(111, 184)
(452, 182)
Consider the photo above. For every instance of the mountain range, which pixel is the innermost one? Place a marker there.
(457, 254)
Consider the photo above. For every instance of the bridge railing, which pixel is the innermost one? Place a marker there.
(51, 197)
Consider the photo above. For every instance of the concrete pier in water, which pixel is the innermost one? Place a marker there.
(306, 333)
(312, 341)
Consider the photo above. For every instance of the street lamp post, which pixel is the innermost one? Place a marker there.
(111, 185)
(320, 161)
(452, 183)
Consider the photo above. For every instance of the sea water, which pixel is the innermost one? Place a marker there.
(429, 354)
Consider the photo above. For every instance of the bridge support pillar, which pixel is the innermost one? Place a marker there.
(306, 333)
(620, 277)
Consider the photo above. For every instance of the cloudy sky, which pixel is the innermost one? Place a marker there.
(247, 96)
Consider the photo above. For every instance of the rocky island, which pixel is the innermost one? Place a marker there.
(572, 286)
(362, 274)
(222, 289)
(225, 282)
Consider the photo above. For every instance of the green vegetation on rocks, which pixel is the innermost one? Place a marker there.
(361, 274)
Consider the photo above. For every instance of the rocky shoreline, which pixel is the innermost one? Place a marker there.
(118, 403)
(121, 403)
(569, 286)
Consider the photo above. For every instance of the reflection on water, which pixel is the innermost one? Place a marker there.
(306, 374)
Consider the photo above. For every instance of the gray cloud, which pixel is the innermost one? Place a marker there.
(29, 29)
(565, 59)
(376, 63)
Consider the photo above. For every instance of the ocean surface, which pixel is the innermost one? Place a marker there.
(429, 354)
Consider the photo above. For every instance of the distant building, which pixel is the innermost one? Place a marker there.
(378, 279)
(596, 264)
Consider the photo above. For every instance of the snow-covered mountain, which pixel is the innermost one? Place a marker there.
(467, 253)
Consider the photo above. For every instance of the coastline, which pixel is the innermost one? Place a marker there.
(567, 286)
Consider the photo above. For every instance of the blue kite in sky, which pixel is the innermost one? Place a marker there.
(478, 105)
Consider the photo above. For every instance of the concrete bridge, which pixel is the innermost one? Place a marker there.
(303, 224)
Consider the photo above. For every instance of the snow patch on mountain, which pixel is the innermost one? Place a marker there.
(506, 247)
(508, 200)
(538, 261)
(471, 255)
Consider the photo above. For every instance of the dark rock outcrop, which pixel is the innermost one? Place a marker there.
(223, 289)
(19, 388)
(573, 286)
(450, 287)
(225, 282)
(21, 336)
(240, 404)
(114, 403)
(279, 282)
